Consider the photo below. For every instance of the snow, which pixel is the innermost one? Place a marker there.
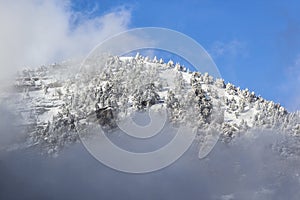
(71, 97)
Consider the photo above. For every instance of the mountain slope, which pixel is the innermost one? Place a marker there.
(53, 103)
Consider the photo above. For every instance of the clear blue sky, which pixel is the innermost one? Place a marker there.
(255, 44)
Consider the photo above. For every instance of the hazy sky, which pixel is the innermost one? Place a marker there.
(255, 44)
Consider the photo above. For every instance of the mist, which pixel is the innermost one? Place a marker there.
(35, 33)
(253, 166)
(249, 167)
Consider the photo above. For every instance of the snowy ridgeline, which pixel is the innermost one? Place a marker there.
(53, 103)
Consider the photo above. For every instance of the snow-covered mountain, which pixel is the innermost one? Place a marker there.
(52, 103)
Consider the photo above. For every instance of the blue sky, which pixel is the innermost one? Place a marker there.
(255, 44)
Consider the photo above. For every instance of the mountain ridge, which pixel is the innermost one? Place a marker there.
(55, 102)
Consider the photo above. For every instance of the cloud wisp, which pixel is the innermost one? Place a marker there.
(40, 32)
(232, 48)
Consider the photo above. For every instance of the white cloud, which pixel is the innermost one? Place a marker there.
(36, 32)
(232, 48)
